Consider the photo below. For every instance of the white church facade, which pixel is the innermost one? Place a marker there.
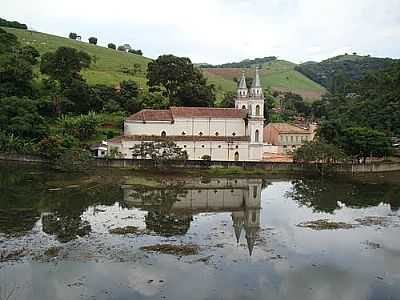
(223, 134)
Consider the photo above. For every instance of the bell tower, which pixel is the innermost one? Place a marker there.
(242, 96)
(256, 119)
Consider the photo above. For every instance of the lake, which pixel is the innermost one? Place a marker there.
(113, 234)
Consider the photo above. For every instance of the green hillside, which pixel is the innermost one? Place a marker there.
(336, 72)
(109, 67)
(107, 64)
(278, 75)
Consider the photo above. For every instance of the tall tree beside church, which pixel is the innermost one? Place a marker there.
(179, 81)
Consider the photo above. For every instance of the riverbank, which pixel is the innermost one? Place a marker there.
(226, 167)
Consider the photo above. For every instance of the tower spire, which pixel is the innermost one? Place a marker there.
(256, 82)
(242, 91)
(242, 82)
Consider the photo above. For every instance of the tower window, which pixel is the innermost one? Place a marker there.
(183, 133)
(237, 147)
(257, 136)
(163, 134)
(244, 107)
(257, 110)
(202, 146)
(233, 133)
(217, 134)
(200, 133)
(219, 146)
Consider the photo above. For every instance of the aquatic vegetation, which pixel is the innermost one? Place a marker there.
(53, 251)
(325, 225)
(178, 250)
(126, 230)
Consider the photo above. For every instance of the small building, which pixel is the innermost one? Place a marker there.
(99, 150)
(286, 137)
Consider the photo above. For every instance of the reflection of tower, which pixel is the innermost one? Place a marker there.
(238, 222)
(249, 217)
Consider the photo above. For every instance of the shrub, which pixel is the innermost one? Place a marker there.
(82, 127)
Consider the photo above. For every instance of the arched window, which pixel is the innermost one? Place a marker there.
(217, 134)
(200, 133)
(163, 134)
(183, 133)
(236, 156)
(255, 190)
(233, 133)
(257, 110)
(257, 136)
(243, 106)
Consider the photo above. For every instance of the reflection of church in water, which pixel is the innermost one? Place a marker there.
(170, 210)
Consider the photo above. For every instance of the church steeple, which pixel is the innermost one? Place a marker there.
(242, 90)
(256, 89)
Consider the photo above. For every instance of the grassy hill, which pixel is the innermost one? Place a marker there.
(107, 64)
(279, 75)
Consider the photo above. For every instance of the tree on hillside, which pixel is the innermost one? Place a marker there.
(112, 46)
(64, 64)
(127, 47)
(128, 96)
(16, 66)
(179, 81)
(137, 52)
(73, 35)
(8, 42)
(12, 24)
(93, 40)
(121, 48)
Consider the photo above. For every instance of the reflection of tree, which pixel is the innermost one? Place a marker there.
(24, 195)
(159, 203)
(66, 208)
(64, 227)
(323, 195)
(17, 221)
(168, 224)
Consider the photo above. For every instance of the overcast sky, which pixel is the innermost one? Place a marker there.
(218, 31)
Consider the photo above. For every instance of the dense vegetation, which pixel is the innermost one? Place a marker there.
(247, 63)
(58, 114)
(12, 24)
(361, 120)
(338, 72)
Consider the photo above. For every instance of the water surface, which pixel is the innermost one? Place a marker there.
(250, 246)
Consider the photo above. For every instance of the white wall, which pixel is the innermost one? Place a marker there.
(218, 150)
(190, 126)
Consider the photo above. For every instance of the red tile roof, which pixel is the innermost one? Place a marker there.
(287, 128)
(151, 115)
(187, 112)
(207, 112)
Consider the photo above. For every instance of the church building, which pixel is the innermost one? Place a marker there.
(223, 134)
